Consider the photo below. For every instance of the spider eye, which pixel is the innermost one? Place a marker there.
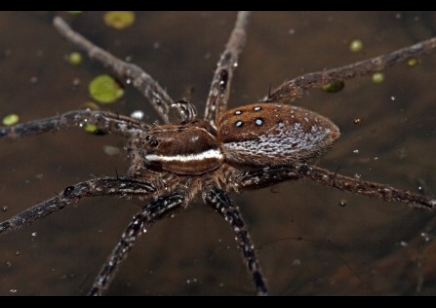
(152, 141)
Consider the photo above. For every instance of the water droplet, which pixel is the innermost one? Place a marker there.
(356, 151)
(138, 114)
(392, 98)
(343, 203)
(426, 236)
(33, 234)
(111, 150)
(76, 82)
(357, 121)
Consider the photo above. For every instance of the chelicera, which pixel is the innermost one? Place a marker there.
(244, 148)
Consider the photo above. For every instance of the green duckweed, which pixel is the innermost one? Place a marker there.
(356, 45)
(75, 58)
(334, 86)
(378, 78)
(119, 19)
(105, 89)
(11, 119)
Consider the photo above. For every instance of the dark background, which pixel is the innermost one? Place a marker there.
(368, 247)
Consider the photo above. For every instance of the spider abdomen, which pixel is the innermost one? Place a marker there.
(272, 134)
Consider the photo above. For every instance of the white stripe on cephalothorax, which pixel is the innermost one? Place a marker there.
(212, 153)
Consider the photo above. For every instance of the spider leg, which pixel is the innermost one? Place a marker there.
(220, 87)
(272, 175)
(153, 211)
(121, 187)
(366, 188)
(133, 74)
(295, 88)
(113, 123)
(220, 202)
(268, 176)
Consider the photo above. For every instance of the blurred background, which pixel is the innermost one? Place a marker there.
(311, 239)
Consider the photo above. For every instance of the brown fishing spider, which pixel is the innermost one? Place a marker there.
(249, 147)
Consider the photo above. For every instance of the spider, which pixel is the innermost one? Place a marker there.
(167, 180)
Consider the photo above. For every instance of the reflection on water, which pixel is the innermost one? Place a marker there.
(310, 239)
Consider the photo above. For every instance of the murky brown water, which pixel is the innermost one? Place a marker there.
(356, 249)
